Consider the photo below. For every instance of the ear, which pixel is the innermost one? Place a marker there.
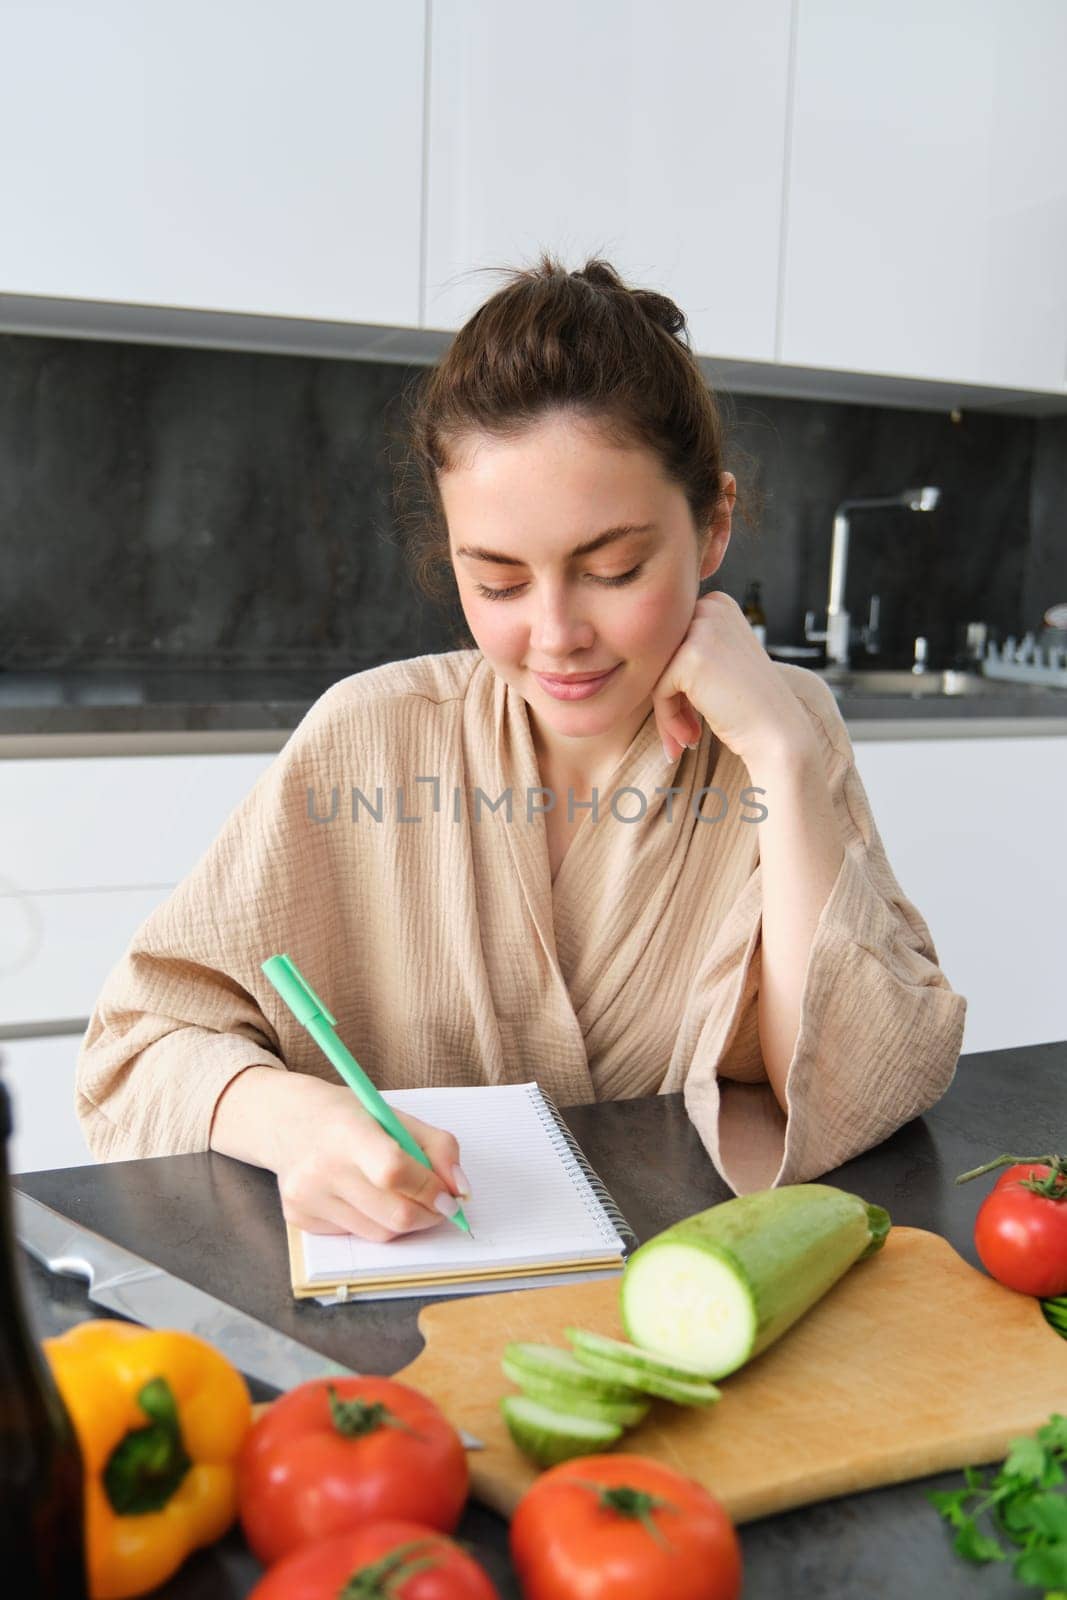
(717, 537)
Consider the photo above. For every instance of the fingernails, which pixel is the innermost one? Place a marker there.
(446, 1204)
(461, 1181)
(667, 756)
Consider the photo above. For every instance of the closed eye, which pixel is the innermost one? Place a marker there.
(516, 588)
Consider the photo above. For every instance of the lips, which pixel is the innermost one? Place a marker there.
(574, 677)
(577, 686)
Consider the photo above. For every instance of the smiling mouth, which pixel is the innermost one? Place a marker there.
(574, 677)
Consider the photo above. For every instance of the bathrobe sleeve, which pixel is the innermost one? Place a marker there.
(182, 1012)
(880, 1027)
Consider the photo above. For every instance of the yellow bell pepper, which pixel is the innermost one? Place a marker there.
(160, 1418)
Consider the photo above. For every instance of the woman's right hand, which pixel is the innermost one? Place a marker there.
(338, 1170)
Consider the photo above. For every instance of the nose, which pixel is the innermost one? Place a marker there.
(559, 625)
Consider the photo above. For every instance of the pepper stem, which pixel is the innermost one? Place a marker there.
(146, 1467)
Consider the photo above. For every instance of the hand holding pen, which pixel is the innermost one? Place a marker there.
(347, 1161)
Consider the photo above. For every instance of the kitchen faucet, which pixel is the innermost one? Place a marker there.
(837, 631)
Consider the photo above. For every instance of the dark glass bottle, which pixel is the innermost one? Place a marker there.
(42, 1518)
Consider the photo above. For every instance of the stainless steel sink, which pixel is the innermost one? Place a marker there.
(844, 680)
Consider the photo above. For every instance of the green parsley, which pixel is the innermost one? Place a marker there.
(1025, 1501)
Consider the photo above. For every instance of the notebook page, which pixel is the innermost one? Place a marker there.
(525, 1208)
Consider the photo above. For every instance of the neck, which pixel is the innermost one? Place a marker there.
(582, 764)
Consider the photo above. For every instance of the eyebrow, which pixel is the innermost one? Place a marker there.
(477, 552)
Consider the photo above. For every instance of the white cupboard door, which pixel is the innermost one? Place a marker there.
(976, 835)
(648, 133)
(256, 155)
(115, 822)
(926, 231)
(89, 846)
(39, 1076)
(56, 950)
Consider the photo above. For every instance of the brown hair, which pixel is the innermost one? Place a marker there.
(550, 340)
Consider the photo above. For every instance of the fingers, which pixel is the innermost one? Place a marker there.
(680, 724)
(443, 1150)
(390, 1168)
(334, 1215)
(353, 1177)
(367, 1212)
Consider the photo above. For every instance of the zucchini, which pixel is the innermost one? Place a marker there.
(684, 1392)
(713, 1291)
(560, 1368)
(574, 1401)
(631, 1355)
(548, 1436)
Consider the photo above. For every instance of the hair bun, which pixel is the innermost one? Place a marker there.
(660, 309)
(602, 273)
(657, 307)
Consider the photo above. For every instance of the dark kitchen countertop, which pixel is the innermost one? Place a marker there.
(164, 699)
(75, 710)
(184, 1212)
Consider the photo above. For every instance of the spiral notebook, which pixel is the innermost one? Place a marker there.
(538, 1213)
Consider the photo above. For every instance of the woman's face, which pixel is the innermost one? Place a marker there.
(517, 513)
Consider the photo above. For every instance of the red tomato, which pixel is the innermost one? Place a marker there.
(438, 1568)
(581, 1532)
(1022, 1169)
(312, 1466)
(1021, 1237)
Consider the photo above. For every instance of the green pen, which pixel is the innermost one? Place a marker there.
(309, 1010)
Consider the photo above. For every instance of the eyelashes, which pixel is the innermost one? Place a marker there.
(506, 594)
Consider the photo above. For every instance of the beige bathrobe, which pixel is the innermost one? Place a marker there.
(377, 852)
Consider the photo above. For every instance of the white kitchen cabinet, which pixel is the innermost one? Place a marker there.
(926, 228)
(39, 1075)
(255, 156)
(874, 191)
(89, 846)
(651, 135)
(976, 833)
(57, 949)
(93, 822)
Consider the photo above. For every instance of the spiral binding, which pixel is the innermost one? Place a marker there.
(594, 1193)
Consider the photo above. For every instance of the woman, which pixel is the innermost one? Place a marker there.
(668, 881)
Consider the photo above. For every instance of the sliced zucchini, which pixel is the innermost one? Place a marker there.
(547, 1435)
(633, 1355)
(560, 1367)
(627, 1413)
(688, 1392)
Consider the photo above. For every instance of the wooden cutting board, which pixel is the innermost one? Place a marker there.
(913, 1363)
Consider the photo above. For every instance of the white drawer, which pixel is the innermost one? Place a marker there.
(98, 822)
(39, 1074)
(57, 949)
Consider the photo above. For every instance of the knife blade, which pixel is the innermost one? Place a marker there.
(126, 1283)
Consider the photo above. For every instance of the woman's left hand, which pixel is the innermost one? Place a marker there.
(722, 673)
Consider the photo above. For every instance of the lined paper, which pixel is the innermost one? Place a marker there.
(531, 1204)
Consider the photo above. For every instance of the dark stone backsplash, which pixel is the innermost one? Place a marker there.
(210, 507)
